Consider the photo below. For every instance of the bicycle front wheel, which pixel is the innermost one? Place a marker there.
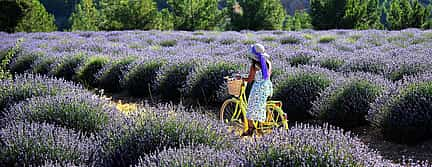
(231, 113)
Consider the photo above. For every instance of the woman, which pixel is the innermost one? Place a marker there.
(260, 71)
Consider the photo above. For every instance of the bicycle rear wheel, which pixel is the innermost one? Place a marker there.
(277, 117)
(231, 113)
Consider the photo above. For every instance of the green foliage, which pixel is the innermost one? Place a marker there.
(172, 80)
(168, 43)
(85, 17)
(406, 116)
(206, 81)
(362, 15)
(256, 14)
(25, 16)
(127, 15)
(113, 74)
(327, 14)
(348, 105)
(195, 14)
(4, 70)
(139, 80)
(87, 73)
(35, 19)
(43, 65)
(327, 39)
(164, 20)
(300, 60)
(405, 14)
(67, 67)
(300, 20)
(298, 92)
(22, 63)
(290, 40)
(332, 63)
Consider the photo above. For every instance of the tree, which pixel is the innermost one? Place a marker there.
(373, 14)
(419, 15)
(256, 14)
(85, 17)
(195, 14)
(328, 14)
(35, 17)
(128, 14)
(300, 20)
(394, 16)
(428, 23)
(164, 20)
(407, 13)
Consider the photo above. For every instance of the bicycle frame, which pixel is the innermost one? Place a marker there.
(241, 107)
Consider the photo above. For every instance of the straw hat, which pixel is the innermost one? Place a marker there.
(259, 49)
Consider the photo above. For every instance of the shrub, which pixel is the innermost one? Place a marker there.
(290, 40)
(369, 64)
(346, 103)
(301, 58)
(31, 144)
(204, 83)
(331, 63)
(27, 86)
(43, 65)
(404, 114)
(22, 63)
(192, 156)
(249, 42)
(67, 67)
(111, 76)
(326, 39)
(82, 112)
(299, 88)
(164, 127)
(172, 79)
(141, 76)
(87, 72)
(268, 38)
(227, 41)
(168, 43)
(401, 69)
(306, 145)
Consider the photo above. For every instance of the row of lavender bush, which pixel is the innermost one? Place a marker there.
(338, 76)
(48, 127)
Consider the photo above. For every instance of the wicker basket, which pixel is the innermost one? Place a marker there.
(234, 87)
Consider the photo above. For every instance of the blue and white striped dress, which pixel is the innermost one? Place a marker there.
(257, 101)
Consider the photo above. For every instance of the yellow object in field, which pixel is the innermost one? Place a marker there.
(126, 107)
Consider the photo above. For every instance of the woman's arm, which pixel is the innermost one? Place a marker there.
(270, 68)
(251, 73)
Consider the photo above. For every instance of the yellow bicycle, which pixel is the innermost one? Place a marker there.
(233, 110)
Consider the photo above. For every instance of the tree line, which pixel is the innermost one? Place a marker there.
(190, 15)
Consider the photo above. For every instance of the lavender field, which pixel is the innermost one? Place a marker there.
(332, 83)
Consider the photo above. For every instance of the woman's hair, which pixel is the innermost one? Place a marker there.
(257, 63)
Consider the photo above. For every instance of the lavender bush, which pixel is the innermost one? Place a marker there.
(306, 145)
(31, 144)
(66, 68)
(165, 126)
(346, 102)
(171, 80)
(403, 113)
(27, 86)
(299, 87)
(86, 74)
(82, 112)
(203, 83)
(192, 156)
(110, 77)
(141, 77)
